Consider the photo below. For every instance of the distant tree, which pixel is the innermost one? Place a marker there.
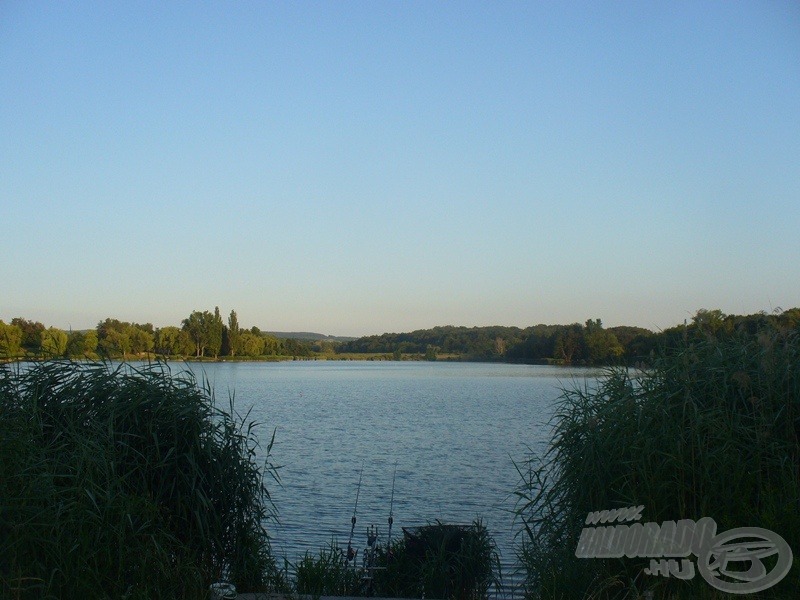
(120, 338)
(76, 344)
(270, 345)
(537, 344)
(198, 326)
(215, 333)
(141, 340)
(54, 342)
(117, 343)
(90, 343)
(103, 327)
(173, 341)
(31, 333)
(251, 344)
(569, 343)
(324, 346)
(602, 346)
(294, 347)
(626, 334)
(234, 334)
(10, 340)
(112, 338)
(638, 343)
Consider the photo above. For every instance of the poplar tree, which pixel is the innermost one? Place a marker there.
(215, 333)
(234, 334)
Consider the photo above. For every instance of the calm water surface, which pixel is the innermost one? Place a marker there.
(452, 429)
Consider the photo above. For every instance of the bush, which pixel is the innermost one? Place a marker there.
(454, 562)
(712, 429)
(441, 560)
(126, 483)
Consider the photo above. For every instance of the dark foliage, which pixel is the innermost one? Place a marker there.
(126, 483)
(712, 429)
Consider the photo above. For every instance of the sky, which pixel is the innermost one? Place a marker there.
(354, 168)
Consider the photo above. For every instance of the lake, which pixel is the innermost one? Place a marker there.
(451, 430)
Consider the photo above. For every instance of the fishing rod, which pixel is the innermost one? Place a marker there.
(391, 518)
(371, 551)
(351, 554)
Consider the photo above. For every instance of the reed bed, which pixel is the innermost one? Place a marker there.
(123, 482)
(712, 429)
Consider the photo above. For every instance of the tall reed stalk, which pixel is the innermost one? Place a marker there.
(123, 482)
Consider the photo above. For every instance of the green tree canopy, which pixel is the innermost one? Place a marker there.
(31, 333)
(90, 343)
(75, 344)
(10, 340)
(120, 338)
(569, 344)
(198, 326)
(173, 341)
(602, 346)
(206, 331)
(54, 341)
(252, 344)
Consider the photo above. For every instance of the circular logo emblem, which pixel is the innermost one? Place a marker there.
(732, 560)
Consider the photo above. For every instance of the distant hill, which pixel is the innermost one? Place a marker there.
(307, 335)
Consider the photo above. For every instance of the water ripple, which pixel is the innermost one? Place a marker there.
(452, 430)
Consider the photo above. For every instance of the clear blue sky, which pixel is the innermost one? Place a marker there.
(360, 167)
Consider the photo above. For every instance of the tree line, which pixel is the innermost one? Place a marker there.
(203, 334)
(575, 344)
(568, 344)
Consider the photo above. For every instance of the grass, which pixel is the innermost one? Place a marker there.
(122, 482)
(712, 429)
(327, 574)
